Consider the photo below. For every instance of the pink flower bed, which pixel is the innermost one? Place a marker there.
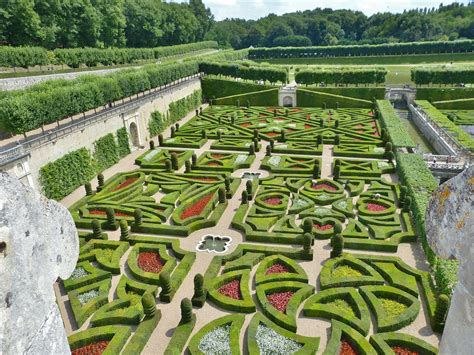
(323, 227)
(323, 186)
(280, 300)
(231, 289)
(96, 348)
(196, 208)
(375, 207)
(277, 269)
(274, 201)
(150, 262)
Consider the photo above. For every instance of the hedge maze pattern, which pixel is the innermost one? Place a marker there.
(365, 291)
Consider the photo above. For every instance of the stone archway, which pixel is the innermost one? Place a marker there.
(133, 129)
(288, 101)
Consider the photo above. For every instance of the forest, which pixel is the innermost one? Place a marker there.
(152, 23)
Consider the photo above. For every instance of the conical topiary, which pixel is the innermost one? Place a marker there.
(407, 204)
(138, 216)
(109, 211)
(441, 311)
(165, 282)
(123, 229)
(149, 305)
(186, 310)
(174, 161)
(187, 166)
(249, 188)
(198, 285)
(221, 195)
(88, 188)
(152, 144)
(245, 197)
(160, 139)
(307, 241)
(337, 246)
(96, 229)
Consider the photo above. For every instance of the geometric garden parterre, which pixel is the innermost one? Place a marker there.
(327, 178)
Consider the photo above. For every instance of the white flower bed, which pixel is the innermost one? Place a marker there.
(170, 140)
(379, 150)
(342, 204)
(78, 273)
(281, 146)
(217, 341)
(271, 343)
(87, 296)
(291, 125)
(382, 164)
(241, 158)
(322, 211)
(275, 160)
(299, 203)
(150, 155)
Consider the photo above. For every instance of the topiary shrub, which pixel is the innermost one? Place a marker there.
(272, 143)
(123, 230)
(193, 160)
(203, 134)
(403, 193)
(249, 189)
(96, 229)
(165, 284)
(138, 216)
(307, 242)
(186, 310)
(321, 123)
(282, 136)
(307, 225)
(109, 211)
(255, 134)
(320, 139)
(152, 144)
(245, 197)
(177, 127)
(219, 135)
(100, 182)
(173, 131)
(390, 156)
(149, 305)
(316, 171)
(255, 144)
(336, 122)
(337, 139)
(174, 161)
(388, 147)
(160, 139)
(407, 204)
(221, 195)
(251, 149)
(268, 151)
(337, 246)
(88, 188)
(187, 166)
(168, 165)
(441, 312)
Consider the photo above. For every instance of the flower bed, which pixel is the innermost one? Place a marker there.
(196, 208)
(323, 227)
(126, 183)
(217, 341)
(102, 213)
(280, 300)
(375, 207)
(78, 273)
(217, 156)
(322, 186)
(393, 308)
(270, 342)
(274, 201)
(87, 296)
(96, 348)
(231, 289)
(345, 271)
(212, 163)
(277, 269)
(150, 262)
(347, 349)
(398, 350)
(206, 179)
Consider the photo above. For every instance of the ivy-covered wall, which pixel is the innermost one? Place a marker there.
(177, 110)
(105, 152)
(123, 144)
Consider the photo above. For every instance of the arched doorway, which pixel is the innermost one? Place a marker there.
(288, 101)
(134, 134)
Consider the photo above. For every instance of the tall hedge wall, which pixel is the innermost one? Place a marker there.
(461, 73)
(310, 98)
(123, 144)
(461, 104)
(341, 75)
(269, 73)
(213, 88)
(61, 177)
(364, 93)
(364, 50)
(74, 57)
(105, 152)
(25, 110)
(444, 94)
(258, 98)
(392, 122)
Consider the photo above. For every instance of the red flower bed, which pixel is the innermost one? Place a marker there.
(126, 183)
(150, 262)
(217, 156)
(323, 227)
(273, 201)
(375, 207)
(213, 163)
(231, 289)
(376, 134)
(277, 269)
(307, 126)
(272, 134)
(360, 131)
(347, 349)
(279, 120)
(246, 124)
(196, 208)
(102, 213)
(359, 126)
(280, 300)
(96, 348)
(262, 121)
(403, 351)
(323, 186)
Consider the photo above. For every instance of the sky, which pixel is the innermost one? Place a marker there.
(254, 9)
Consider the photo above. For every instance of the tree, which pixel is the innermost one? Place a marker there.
(204, 17)
(144, 23)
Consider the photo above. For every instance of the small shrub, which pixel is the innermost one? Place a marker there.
(88, 188)
(338, 246)
(138, 216)
(96, 229)
(186, 310)
(149, 305)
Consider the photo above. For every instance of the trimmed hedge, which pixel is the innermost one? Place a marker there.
(341, 331)
(444, 94)
(461, 73)
(62, 176)
(180, 337)
(142, 334)
(310, 98)
(269, 73)
(363, 93)
(116, 334)
(384, 342)
(461, 104)
(341, 75)
(259, 98)
(83, 311)
(395, 128)
(105, 152)
(123, 145)
(213, 88)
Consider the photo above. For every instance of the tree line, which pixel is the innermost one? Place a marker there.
(102, 23)
(245, 71)
(25, 57)
(342, 75)
(459, 46)
(443, 75)
(24, 110)
(327, 27)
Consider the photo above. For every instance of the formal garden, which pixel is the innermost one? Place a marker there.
(257, 230)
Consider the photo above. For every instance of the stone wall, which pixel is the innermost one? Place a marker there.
(27, 168)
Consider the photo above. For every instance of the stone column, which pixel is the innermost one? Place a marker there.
(38, 244)
(450, 232)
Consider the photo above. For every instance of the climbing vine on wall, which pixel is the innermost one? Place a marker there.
(105, 152)
(123, 146)
(61, 177)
